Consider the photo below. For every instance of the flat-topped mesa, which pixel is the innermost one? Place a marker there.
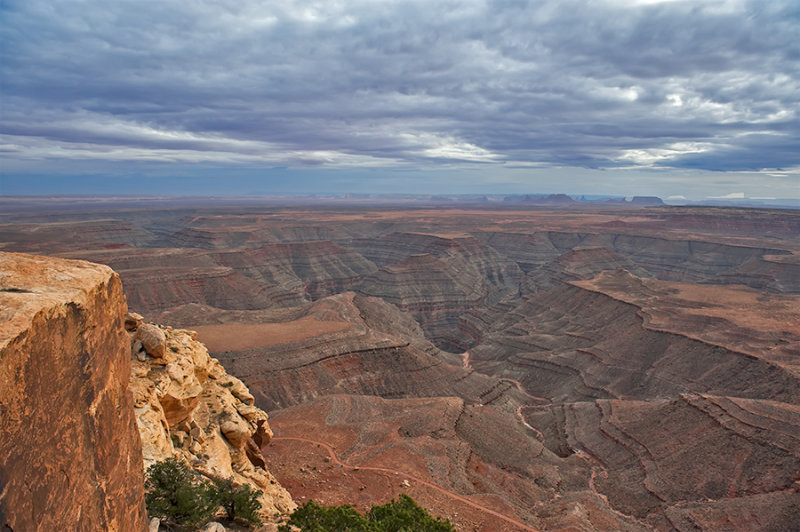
(647, 200)
(70, 452)
(187, 406)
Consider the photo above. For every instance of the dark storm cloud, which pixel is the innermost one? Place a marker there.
(695, 84)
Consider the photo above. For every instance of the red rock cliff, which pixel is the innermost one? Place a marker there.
(70, 451)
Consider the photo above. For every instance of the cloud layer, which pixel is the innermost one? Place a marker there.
(702, 85)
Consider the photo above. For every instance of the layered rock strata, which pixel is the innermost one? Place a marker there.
(70, 452)
(687, 259)
(437, 279)
(315, 269)
(87, 234)
(188, 406)
(574, 344)
(697, 462)
(350, 344)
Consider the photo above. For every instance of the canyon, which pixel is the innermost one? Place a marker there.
(510, 367)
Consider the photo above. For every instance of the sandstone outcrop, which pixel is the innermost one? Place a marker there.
(153, 339)
(70, 452)
(188, 406)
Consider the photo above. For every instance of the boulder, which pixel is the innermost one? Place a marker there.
(133, 321)
(237, 433)
(153, 339)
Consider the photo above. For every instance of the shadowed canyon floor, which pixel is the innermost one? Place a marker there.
(600, 368)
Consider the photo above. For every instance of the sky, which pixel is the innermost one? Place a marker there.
(680, 99)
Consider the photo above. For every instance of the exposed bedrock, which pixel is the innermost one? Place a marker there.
(187, 406)
(480, 453)
(70, 451)
(680, 260)
(743, 320)
(70, 235)
(154, 290)
(688, 260)
(269, 276)
(437, 279)
(726, 221)
(313, 269)
(778, 274)
(463, 252)
(528, 250)
(574, 344)
(250, 231)
(159, 279)
(577, 264)
(433, 291)
(685, 463)
(374, 349)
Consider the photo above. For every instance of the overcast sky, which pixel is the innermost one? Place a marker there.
(671, 98)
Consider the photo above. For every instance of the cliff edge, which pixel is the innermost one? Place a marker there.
(91, 395)
(187, 406)
(70, 451)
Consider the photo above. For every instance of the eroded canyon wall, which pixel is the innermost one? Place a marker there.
(70, 451)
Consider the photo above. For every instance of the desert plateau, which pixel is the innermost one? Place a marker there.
(511, 367)
(430, 265)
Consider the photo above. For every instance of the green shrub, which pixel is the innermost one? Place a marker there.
(403, 515)
(311, 517)
(239, 503)
(173, 492)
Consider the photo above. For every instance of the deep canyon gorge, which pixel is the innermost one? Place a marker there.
(511, 367)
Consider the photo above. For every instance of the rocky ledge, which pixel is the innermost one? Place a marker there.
(187, 406)
(82, 402)
(70, 454)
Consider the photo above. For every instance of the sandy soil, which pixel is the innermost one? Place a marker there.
(243, 336)
(743, 306)
(306, 457)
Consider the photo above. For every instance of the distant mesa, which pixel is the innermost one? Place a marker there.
(564, 199)
(558, 199)
(541, 199)
(647, 200)
(644, 201)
